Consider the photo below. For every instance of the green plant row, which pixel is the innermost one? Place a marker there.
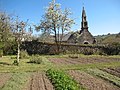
(111, 78)
(61, 81)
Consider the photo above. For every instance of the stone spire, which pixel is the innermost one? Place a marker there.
(84, 23)
(85, 36)
(83, 13)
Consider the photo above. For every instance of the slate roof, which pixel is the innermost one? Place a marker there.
(66, 36)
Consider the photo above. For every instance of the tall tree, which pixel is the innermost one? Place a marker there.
(5, 29)
(55, 20)
(65, 22)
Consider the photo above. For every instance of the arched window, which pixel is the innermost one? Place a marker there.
(86, 42)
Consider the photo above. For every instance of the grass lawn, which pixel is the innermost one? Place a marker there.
(6, 64)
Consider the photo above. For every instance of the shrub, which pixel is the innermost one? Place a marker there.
(15, 62)
(10, 49)
(24, 55)
(13, 57)
(87, 51)
(36, 59)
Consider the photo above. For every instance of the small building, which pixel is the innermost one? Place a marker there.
(81, 37)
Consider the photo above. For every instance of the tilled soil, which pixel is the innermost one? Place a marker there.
(4, 77)
(113, 71)
(58, 61)
(86, 60)
(117, 69)
(90, 82)
(39, 81)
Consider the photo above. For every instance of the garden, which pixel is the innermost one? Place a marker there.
(60, 72)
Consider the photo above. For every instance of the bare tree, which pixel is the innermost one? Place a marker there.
(19, 32)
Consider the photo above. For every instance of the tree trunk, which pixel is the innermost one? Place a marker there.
(18, 54)
(56, 41)
(61, 36)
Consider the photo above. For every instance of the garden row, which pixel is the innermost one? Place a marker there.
(92, 79)
(62, 81)
(82, 60)
(113, 71)
(79, 80)
(106, 76)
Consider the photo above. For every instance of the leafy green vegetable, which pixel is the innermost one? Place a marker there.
(61, 81)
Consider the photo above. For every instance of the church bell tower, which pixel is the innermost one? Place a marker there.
(85, 36)
(84, 23)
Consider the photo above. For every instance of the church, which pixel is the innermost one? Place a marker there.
(82, 36)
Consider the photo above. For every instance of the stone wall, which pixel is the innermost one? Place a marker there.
(35, 47)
